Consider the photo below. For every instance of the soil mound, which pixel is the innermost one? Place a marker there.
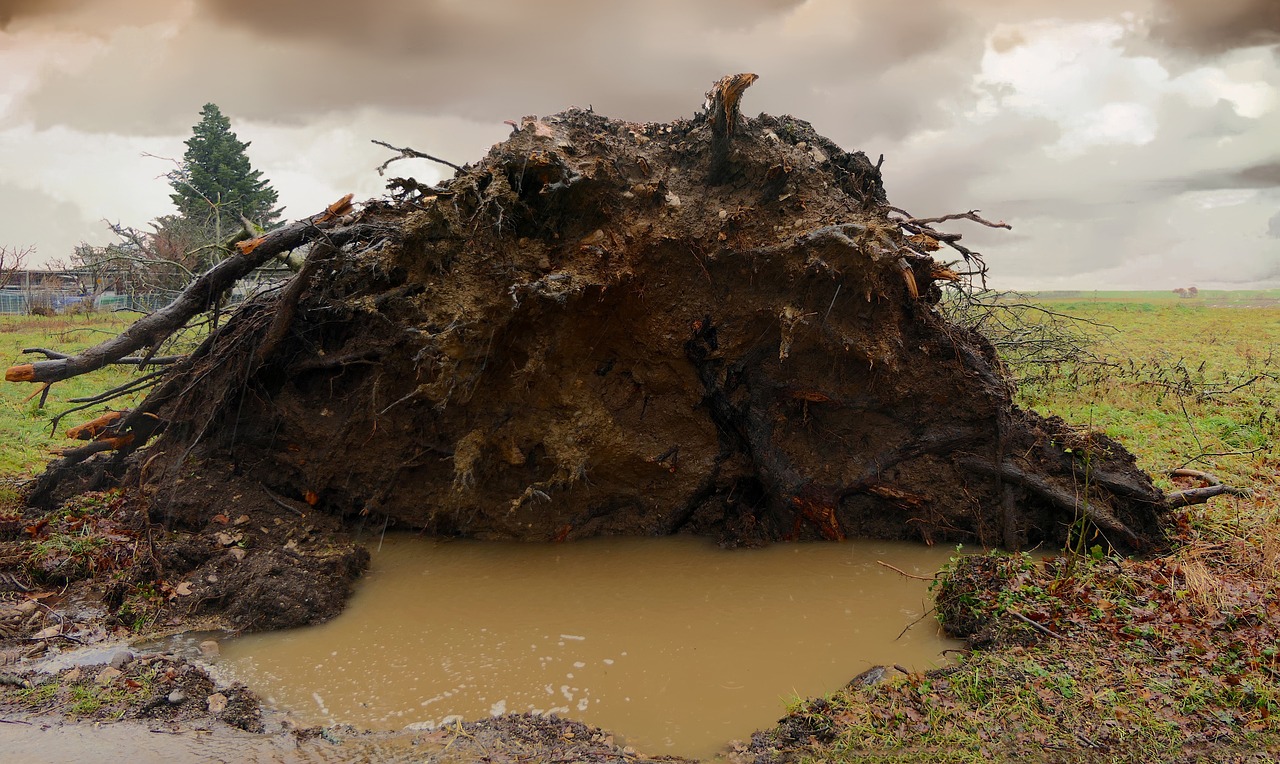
(715, 326)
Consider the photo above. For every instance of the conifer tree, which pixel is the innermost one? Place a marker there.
(217, 184)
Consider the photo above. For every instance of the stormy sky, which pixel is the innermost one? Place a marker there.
(1131, 143)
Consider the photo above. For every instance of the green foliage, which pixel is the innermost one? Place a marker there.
(217, 183)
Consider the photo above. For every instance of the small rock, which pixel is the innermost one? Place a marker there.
(217, 703)
(108, 675)
(238, 553)
(242, 519)
(209, 648)
(48, 633)
(211, 578)
(177, 697)
(72, 675)
(673, 199)
(120, 660)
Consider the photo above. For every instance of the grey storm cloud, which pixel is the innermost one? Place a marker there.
(875, 70)
(16, 9)
(1261, 175)
(892, 78)
(1216, 26)
(493, 61)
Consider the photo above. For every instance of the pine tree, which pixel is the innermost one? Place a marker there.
(217, 184)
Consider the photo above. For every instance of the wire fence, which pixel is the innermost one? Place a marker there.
(27, 302)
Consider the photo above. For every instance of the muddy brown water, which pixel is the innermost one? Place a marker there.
(673, 644)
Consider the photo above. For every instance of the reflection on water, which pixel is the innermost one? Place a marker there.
(671, 643)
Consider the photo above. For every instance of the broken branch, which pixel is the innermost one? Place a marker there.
(1200, 495)
(200, 295)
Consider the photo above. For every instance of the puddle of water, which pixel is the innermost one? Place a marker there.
(671, 643)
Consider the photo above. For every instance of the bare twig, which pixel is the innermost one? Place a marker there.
(408, 153)
(280, 501)
(902, 572)
(970, 215)
(1038, 627)
(907, 628)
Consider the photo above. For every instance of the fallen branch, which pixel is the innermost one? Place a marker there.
(163, 360)
(1197, 474)
(408, 153)
(1200, 495)
(199, 296)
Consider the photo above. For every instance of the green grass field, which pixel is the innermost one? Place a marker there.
(26, 426)
(1187, 383)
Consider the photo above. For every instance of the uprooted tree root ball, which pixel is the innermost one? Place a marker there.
(715, 326)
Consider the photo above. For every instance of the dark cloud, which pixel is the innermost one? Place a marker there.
(1216, 26)
(1262, 175)
(875, 68)
(19, 9)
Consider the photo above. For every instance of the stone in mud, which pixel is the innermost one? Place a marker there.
(217, 703)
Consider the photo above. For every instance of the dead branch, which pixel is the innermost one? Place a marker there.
(408, 153)
(923, 227)
(93, 428)
(1200, 495)
(1038, 627)
(1197, 474)
(902, 572)
(199, 296)
(132, 386)
(162, 360)
(970, 215)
